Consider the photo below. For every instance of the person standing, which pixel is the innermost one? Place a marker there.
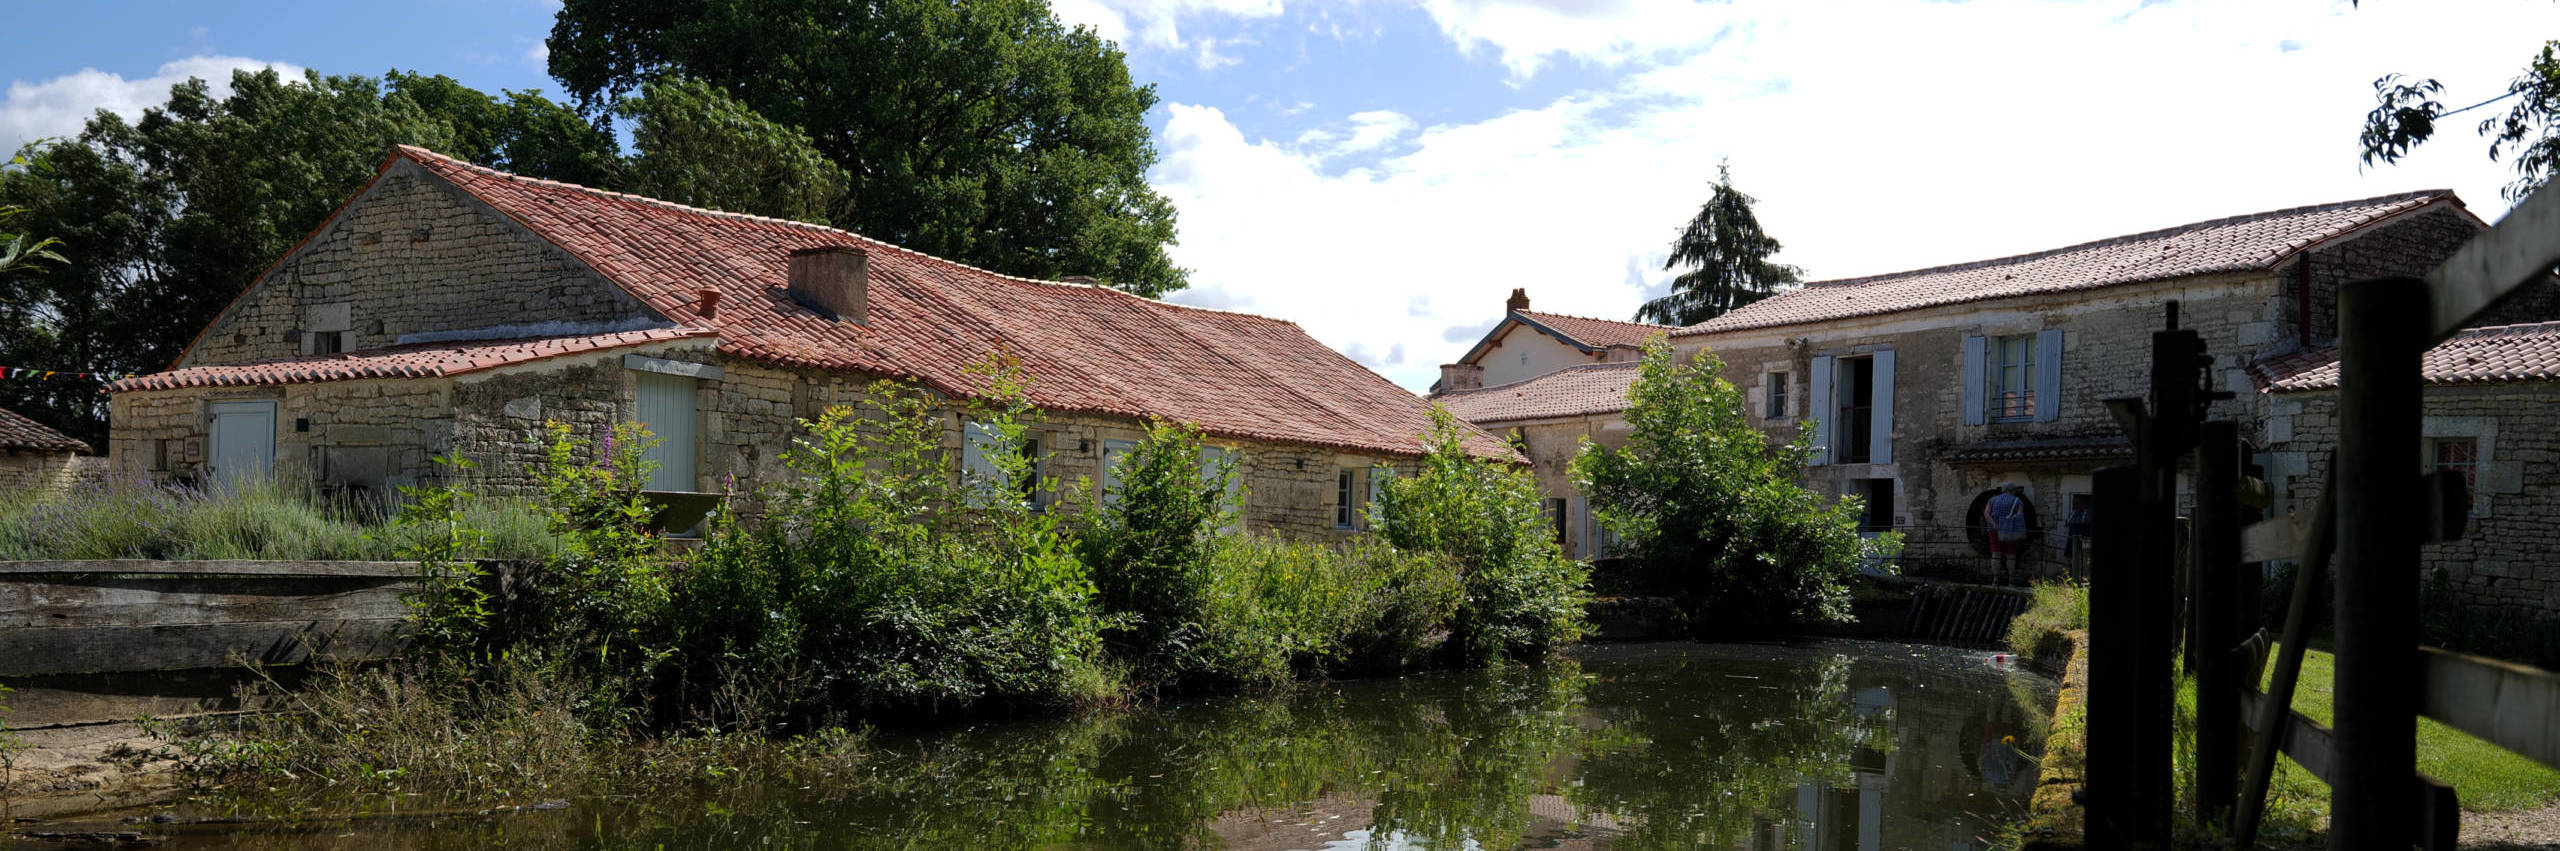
(2005, 519)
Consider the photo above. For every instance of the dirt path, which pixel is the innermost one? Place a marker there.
(2539, 828)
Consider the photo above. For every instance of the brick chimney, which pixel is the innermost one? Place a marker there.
(1519, 300)
(1461, 376)
(834, 280)
(707, 303)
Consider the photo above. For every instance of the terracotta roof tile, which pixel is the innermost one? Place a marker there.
(2010, 451)
(1597, 333)
(425, 360)
(1573, 391)
(2494, 355)
(1087, 349)
(18, 432)
(2240, 243)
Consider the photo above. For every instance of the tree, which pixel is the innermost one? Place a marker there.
(1713, 513)
(175, 212)
(981, 131)
(2528, 133)
(698, 146)
(1729, 258)
(1523, 596)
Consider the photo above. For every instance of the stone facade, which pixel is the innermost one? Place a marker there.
(32, 471)
(2105, 352)
(1551, 445)
(411, 256)
(2503, 561)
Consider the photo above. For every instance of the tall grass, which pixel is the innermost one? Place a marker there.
(2060, 606)
(261, 519)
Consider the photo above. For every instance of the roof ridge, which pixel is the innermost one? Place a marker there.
(415, 152)
(1579, 367)
(1596, 319)
(2510, 328)
(2396, 197)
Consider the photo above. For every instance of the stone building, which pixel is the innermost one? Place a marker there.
(1547, 418)
(1926, 389)
(36, 459)
(1525, 344)
(452, 308)
(2493, 414)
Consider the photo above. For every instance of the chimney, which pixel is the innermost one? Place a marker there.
(1461, 376)
(1519, 300)
(834, 280)
(708, 307)
(1622, 353)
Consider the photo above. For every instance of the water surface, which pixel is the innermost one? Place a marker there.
(1832, 745)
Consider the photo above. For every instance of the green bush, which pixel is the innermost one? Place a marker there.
(878, 580)
(1148, 541)
(1523, 597)
(1275, 609)
(1702, 501)
(2059, 606)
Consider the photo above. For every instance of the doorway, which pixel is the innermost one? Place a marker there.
(244, 442)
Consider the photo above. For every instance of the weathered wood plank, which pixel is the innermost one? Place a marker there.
(2273, 539)
(71, 650)
(213, 567)
(2516, 707)
(2522, 248)
(66, 600)
(2315, 748)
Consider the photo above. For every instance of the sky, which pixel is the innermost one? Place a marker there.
(1385, 172)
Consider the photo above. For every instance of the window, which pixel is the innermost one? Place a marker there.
(2461, 455)
(328, 342)
(1777, 395)
(2013, 378)
(1113, 451)
(983, 471)
(1556, 518)
(1029, 486)
(1856, 417)
(1342, 486)
(1850, 401)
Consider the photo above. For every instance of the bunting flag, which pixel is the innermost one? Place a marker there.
(26, 373)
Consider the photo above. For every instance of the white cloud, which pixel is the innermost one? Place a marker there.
(59, 106)
(1894, 136)
(1156, 23)
(1527, 32)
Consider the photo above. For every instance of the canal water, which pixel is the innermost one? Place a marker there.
(1827, 745)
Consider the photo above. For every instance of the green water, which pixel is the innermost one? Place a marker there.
(1828, 745)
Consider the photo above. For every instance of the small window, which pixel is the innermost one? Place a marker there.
(1343, 490)
(2461, 455)
(1777, 395)
(2013, 378)
(328, 342)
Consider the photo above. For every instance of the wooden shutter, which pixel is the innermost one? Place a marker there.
(665, 406)
(1818, 406)
(1880, 422)
(1975, 412)
(2048, 375)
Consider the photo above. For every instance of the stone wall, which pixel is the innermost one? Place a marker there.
(412, 254)
(364, 437)
(2504, 560)
(26, 471)
(2411, 246)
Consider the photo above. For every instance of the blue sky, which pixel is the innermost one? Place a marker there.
(1384, 171)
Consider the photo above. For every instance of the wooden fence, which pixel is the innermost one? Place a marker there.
(80, 617)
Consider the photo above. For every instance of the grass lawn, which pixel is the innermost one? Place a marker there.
(2487, 778)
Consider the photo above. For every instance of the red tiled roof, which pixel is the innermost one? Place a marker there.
(425, 360)
(1597, 333)
(2240, 243)
(1086, 349)
(2494, 355)
(18, 432)
(1573, 391)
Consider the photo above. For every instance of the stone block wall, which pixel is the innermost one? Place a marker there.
(2505, 560)
(412, 254)
(32, 472)
(367, 437)
(2410, 246)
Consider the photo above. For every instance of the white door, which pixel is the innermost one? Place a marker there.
(666, 408)
(244, 442)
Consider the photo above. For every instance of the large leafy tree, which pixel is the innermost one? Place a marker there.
(2526, 133)
(983, 131)
(1710, 512)
(1727, 255)
(171, 214)
(698, 146)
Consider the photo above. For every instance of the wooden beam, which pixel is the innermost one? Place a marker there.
(2516, 707)
(2313, 746)
(179, 647)
(2521, 248)
(2274, 539)
(213, 567)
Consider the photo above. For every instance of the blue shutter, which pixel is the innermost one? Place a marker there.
(2048, 375)
(1880, 431)
(1818, 407)
(1974, 370)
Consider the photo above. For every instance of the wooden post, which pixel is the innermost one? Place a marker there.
(2215, 569)
(2113, 645)
(2383, 331)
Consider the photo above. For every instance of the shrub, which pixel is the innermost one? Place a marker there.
(1703, 502)
(1148, 541)
(2059, 607)
(879, 580)
(1276, 608)
(1523, 596)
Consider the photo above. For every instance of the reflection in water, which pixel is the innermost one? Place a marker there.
(1833, 746)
